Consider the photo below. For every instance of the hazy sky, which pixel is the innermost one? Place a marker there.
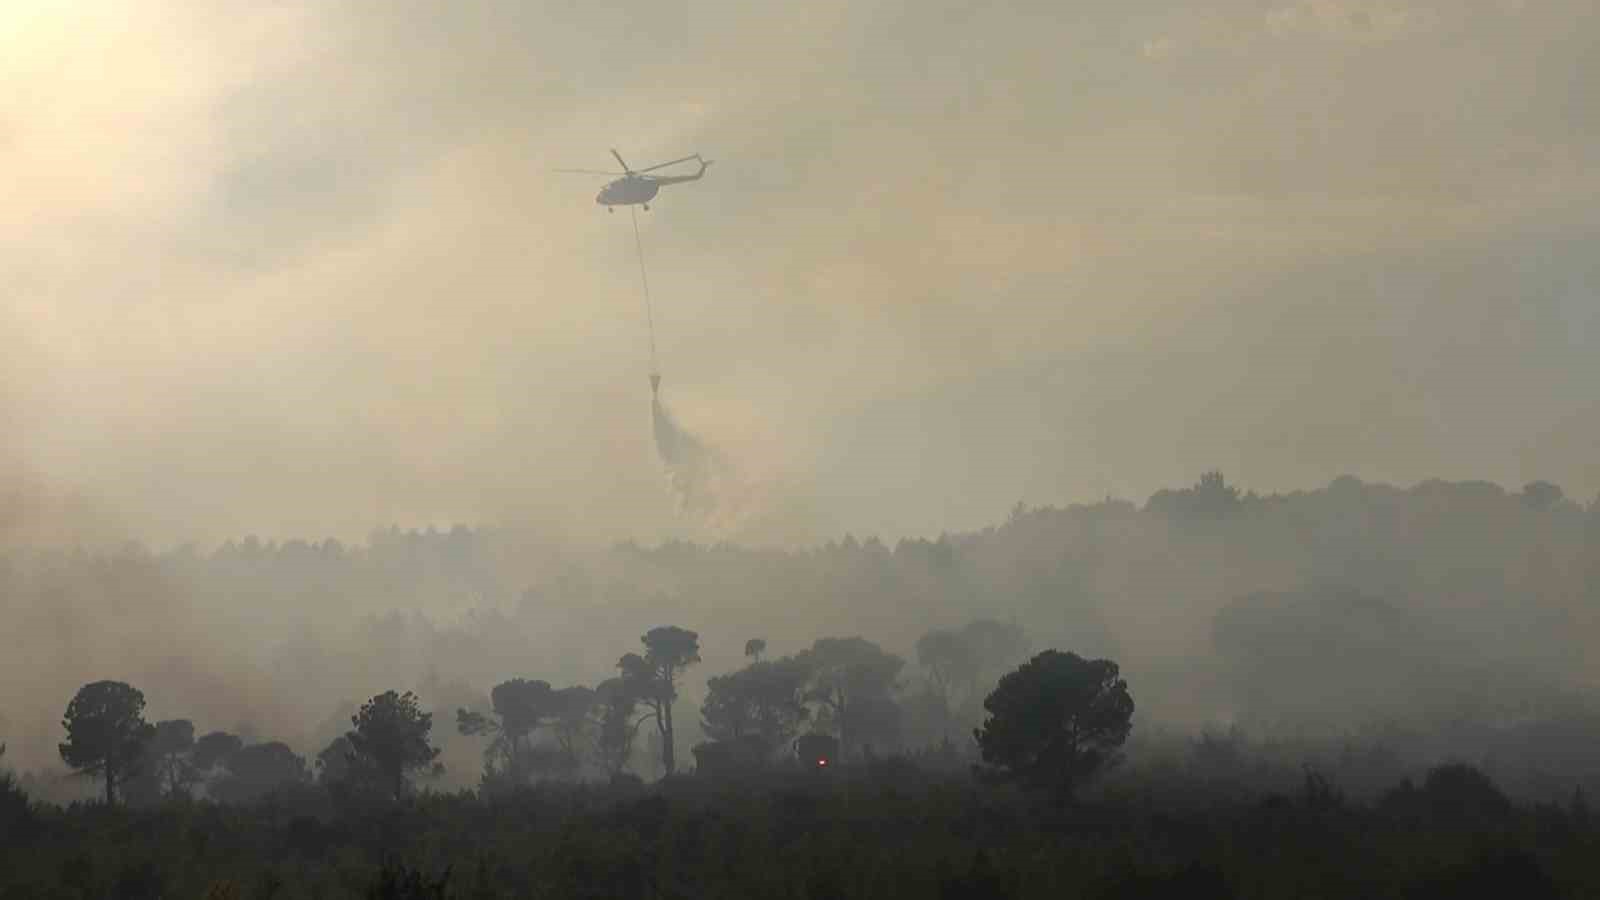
(302, 269)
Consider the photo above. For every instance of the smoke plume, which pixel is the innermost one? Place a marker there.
(703, 480)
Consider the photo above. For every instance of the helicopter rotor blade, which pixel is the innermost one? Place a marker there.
(587, 172)
(620, 162)
(673, 163)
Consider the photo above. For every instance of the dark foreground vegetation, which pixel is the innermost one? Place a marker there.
(889, 828)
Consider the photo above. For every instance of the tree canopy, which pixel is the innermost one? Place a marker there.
(259, 769)
(653, 678)
(949, 662)
(1055, 721)
(764, 699)
(167, 768)
(520, 706)
(214, 749)
(571, 721)
(847, 672)
(618, 724)
(391, 731)
(106, 732)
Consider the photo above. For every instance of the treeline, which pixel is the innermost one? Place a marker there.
(1221, 604)
(883, 829)
(850, 689)
(1039, 810)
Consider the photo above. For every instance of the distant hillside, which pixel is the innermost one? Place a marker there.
(1215, 601)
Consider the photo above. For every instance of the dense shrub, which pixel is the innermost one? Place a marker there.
(881, 830)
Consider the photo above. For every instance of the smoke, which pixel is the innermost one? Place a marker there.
(708, 487)
(34, 513)
(693, 469)
(945, 240)
(743, 486)
(34, 509)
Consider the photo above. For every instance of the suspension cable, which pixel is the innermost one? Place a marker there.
(649, 316)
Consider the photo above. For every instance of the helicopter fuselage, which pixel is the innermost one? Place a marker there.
(628, 191)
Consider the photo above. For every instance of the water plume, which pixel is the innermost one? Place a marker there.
(700, 477)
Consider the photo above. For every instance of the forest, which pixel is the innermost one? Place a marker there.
(1360, 690)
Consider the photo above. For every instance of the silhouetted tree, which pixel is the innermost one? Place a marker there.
(753, 649)
(958, 663)
(165, 769)
(993, 648)
(1056, 720)
(170, 751)
(571, 721)
(724, 714)
(349, 776)
(520, 706)
(619, 723)
(106, 732)
(847, 671)
(259, 769)
(765, 700)
(335, 761)
(950, 665)
(653, 678)
(213, 749)
(391, 731)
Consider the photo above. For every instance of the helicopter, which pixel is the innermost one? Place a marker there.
(637, 187)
